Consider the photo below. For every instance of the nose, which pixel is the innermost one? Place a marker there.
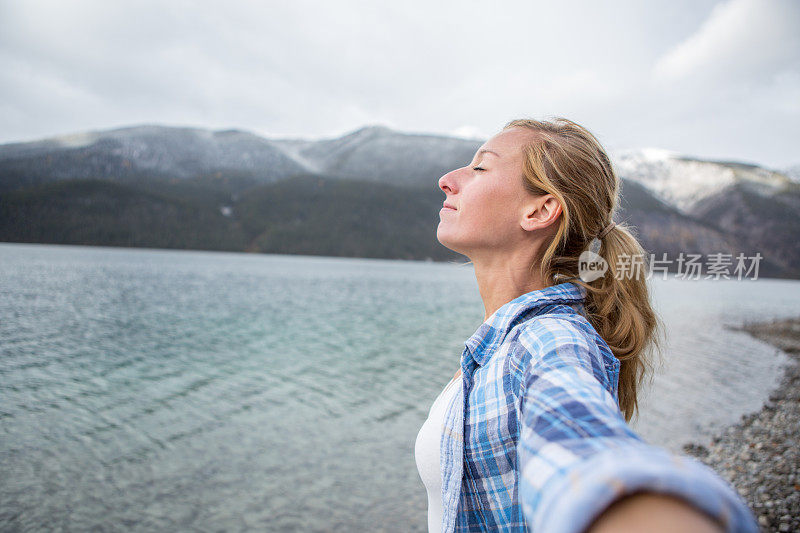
(447, 182)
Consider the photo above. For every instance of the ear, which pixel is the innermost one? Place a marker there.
(540, 212)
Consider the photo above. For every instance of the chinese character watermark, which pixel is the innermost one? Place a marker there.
(716, 266)
(690, 266)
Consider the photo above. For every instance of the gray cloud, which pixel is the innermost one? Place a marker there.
(713, 79)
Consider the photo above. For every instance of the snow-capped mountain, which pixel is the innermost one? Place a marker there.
(684, 182)
(127, 154)
(676, 203)
(373, 153)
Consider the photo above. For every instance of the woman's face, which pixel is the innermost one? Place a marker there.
(486, 201)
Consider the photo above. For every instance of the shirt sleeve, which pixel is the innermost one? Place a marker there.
(577, 454)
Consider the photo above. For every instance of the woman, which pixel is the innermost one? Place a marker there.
(531, 432)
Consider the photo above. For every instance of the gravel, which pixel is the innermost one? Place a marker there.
(760, 455)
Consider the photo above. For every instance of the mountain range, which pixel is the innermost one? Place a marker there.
(370, 193)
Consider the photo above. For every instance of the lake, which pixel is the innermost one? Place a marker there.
(183, 390)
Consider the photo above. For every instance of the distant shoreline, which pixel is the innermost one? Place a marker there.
(759, 455)
(462, 262)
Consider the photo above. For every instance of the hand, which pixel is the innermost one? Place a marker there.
(653, 513)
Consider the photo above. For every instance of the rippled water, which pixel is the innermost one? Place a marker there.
(171, 390)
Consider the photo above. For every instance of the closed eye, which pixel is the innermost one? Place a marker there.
(478, 168)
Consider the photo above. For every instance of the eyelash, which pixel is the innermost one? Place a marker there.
(478, 168)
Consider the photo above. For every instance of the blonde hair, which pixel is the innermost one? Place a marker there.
(568, 162)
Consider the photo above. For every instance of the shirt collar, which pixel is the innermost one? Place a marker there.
(491, 333)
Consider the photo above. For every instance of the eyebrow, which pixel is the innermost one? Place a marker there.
(481, 152)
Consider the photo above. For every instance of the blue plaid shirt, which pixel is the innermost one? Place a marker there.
(538, 439)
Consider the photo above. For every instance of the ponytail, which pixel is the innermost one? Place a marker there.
(618, 307)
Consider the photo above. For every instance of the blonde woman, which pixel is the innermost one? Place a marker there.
(531, 433)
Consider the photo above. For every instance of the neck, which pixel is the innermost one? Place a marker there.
(503, 277)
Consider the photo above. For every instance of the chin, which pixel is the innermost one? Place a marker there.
(448, 243)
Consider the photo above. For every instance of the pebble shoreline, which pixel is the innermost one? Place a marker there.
(759, 456)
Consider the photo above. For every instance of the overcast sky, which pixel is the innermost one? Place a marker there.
(716, 79)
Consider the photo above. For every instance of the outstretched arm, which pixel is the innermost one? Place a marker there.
(578, 458)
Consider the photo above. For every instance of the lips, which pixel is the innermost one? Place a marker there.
(448, 206)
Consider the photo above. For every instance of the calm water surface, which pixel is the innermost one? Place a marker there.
(171, 390)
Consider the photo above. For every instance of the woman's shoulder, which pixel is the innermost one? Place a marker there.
(564, 337)
(558, 325)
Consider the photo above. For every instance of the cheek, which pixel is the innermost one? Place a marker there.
(491, 207)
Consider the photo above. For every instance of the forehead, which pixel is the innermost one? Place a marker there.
(508, 143)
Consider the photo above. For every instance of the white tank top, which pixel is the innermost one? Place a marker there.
(426, 453)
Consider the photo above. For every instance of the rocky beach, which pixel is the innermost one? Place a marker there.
(759, 455)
